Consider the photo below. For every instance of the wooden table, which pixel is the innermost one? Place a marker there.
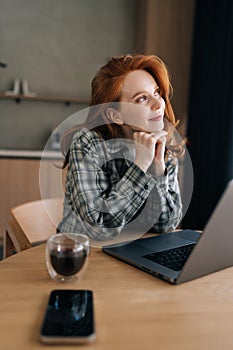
(133, 310)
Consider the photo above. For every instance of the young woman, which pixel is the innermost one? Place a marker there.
(122, 166)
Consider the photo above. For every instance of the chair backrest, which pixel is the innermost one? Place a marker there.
(37, 220)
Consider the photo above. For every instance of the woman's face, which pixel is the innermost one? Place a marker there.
(145, 107)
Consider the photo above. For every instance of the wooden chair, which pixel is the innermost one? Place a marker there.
(31, 224)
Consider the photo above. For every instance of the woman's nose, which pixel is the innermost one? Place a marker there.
(155, 104)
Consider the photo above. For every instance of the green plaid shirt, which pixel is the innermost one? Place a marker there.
(106, 192)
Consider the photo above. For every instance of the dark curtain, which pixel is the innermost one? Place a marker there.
(210, 117)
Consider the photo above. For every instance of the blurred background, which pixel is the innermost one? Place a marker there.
(51, 49)
(57, 46)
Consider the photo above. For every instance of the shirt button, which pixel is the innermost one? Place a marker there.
(146, 187)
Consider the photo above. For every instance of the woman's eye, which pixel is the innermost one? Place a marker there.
(157, 92)
(141, 99)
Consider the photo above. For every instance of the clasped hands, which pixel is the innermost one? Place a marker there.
(150, 151)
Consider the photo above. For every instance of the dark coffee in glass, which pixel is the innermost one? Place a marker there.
(67, 263)
(66, 255)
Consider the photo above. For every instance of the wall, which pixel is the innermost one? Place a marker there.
(166, 29)
(57, 45)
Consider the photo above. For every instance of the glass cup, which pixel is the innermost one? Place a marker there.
(67, 255)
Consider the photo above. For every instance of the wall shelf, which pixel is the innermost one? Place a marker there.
(57, 99)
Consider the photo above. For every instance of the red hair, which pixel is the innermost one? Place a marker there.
(107, 86)
(111, 76)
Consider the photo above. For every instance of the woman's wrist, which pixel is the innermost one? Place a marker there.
(143, 166)
(158, 170)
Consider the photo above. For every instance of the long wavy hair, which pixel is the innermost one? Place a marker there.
(106, 89)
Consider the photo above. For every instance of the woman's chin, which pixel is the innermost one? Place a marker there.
(158, 127)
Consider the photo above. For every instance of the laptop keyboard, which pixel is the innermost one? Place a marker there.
(174, 258)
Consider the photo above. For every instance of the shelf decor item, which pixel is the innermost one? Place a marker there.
(16, 89)
(26, 91)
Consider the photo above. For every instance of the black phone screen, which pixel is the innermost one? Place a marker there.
(69, 316)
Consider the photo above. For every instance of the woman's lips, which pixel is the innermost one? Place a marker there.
(156, 119)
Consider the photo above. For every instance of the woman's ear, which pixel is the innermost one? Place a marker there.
(114, 116)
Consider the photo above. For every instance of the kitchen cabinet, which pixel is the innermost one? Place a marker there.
(24, 178)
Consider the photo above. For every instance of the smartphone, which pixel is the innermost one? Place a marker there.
(69, 317)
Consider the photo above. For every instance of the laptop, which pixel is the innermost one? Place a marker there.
(184, 255)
